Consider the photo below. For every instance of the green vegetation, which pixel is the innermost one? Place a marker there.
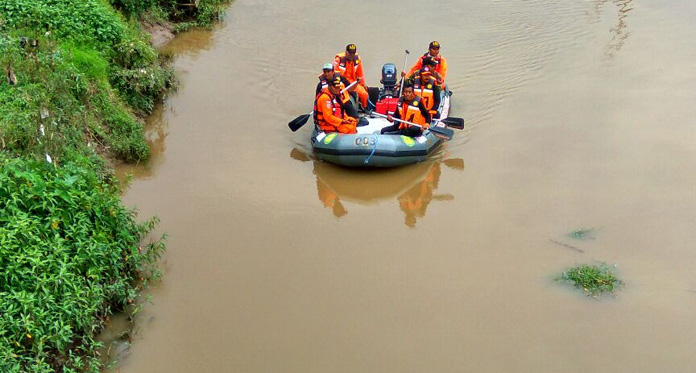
(582, 234)
(64, 92)
(77, 76)
(594, 279)
(70, 255)
(184, 13)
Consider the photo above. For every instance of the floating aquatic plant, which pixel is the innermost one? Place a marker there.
(582, 234)
(593, 279)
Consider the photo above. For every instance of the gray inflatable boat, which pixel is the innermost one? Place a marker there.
(369, 148)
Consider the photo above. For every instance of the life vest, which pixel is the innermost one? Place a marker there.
(344, 68)
(319, 116)
(324, 84)
(411, 113)
(438, 59)
(425, 92)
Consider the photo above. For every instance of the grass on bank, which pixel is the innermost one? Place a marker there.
(92, 70)
(70, 255)
(81, 91)
(593, 279)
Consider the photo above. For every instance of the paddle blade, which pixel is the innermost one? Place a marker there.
(454, 163)
(298, 122)
(443, 133)
(299, 155)
(443, 197)
(456, 123)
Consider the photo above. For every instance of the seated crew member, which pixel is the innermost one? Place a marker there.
(328, 110)
(410, 108)
(349, 65)
(425, 87)
(329, 74)
(441, 68)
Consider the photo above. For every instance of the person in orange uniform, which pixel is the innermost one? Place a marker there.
(328, 110)
(325, 77)
(349, 65)
(425, 87)
(410, 108)
(440, 73)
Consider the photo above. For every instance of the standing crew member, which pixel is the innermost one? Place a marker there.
(441, 68)
(328, 111)
(410, 108)
(349, 65)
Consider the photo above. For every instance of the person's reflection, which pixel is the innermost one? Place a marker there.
(327, 196)
(414, 201)
(330, 199)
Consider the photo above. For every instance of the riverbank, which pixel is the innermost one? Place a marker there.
(78, 79)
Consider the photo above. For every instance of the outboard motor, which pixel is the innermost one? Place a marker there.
(388, 95)
(389, 76)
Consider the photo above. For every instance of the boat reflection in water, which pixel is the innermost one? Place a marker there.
(412, 186)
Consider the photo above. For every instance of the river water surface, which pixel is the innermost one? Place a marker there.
(580, 118)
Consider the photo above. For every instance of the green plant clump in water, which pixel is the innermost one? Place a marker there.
(70, 255)
(582, 234)
(593, 279)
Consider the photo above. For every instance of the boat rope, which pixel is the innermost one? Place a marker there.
(367, 160)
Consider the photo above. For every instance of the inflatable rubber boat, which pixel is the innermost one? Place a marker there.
(369, 148)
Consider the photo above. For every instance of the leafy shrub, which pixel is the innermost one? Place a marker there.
(209, 11)
(88, 21)
(66, 92)
(94, 33)
(121, 131)
(138, 74)
(133, 7)
(69, 256)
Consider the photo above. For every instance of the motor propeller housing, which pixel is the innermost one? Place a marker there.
(389, 76)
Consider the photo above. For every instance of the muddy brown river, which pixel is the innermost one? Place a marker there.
(580, 118)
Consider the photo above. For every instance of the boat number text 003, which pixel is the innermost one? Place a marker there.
(365, 141)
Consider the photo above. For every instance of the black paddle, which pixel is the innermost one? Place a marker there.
(443, 133)
(453, 122)
(300, 121)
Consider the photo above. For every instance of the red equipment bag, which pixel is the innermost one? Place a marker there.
(387, 106)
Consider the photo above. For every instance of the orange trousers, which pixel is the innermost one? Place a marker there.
(350, 127)
(362, 95)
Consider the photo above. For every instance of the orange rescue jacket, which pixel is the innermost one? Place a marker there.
(328, 114)
(411, 113)
(441, 67)
(352, 70)
(425, 92)
(345, 97)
